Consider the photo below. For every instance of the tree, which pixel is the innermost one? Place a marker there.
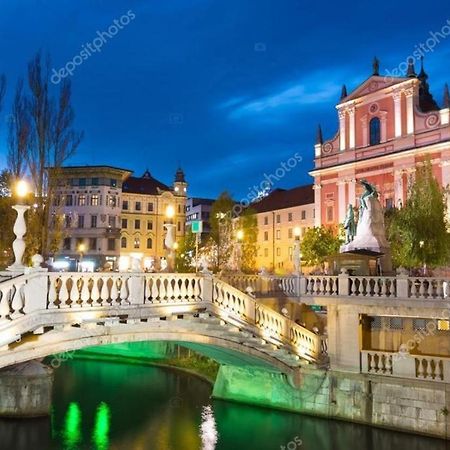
(8, 216)
(185, 256)
(248, 223)
(418, 232)
(221, 239)
(318, 243)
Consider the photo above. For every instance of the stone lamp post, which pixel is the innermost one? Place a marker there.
(169, 240)
(296, 255)
(20, 228)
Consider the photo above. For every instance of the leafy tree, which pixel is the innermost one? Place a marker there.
(248, 223)
(318, 243)
(8, 216)
(220, 244)
(418, 232)
(185, 256)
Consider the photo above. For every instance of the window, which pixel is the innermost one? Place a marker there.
(266, 252)
(314, 213)
(375, 323)
(137, 206)
(92, 243)
(66, 244)
(149, 243)
(150, 207)
(179, 227)
(69, 200)
(94, 200)
(93, 221)
(396, 323)
(123, 242)
(113, 182)
(112, 221)
(111, 200)
(81, 200)
(278, 234)
(124, 223)
(149, 225)
(419, 324)
(94, 181)
(67, 221)
(111, 244)
(389, 203)
(266, 220)
(82, 182)
(278, 251)
(137, 224)
(443, 325)
(303, 214)
(125, 204)
(330, 214)
(290, 217)
(290, 233)
(375, 135)
(137, 242)
(80, 221)
(278, 218)
(266, 235)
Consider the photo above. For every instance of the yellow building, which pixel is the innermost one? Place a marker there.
(145, 203)
(279, 215)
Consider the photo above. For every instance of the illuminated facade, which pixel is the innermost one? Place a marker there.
(278, 215)
(145, 203)
(387, 126)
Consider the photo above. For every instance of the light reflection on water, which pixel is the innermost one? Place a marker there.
(107, 406)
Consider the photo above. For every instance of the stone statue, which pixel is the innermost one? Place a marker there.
(350, 225)
(370, 191)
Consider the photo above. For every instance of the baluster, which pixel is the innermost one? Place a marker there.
(383, 291)
(183, 290)
(154, 290)
(52, 294)
(421, 289)
(124, 293)
(4, 304)
(95, 293)
(440, 289)
(190, 289)
(63, 292)
(85, 294)
(115, 290)
(74, 292)
(389, 364)
(353, 290)
(170, 291)
(104, 293)
(18, 302)
(197, 292)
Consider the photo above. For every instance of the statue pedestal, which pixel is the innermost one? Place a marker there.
(371, 236)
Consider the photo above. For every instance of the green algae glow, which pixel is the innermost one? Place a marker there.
(72, 426)
(101, 427)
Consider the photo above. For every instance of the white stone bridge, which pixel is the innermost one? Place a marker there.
(44, 313)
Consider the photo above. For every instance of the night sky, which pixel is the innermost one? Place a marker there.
(227, 89)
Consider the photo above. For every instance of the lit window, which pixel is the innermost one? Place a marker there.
(443, 325)
(137, 242)
(290, 217)
(94, 200)
(123, 242)
(278, 234)
(81, 200)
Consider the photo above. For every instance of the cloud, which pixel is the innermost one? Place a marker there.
(274, 106)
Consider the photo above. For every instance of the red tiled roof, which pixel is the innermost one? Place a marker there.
(285, 198)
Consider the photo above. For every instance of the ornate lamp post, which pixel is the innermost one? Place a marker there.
(81, 251)
(296, 255)
(21, 190)
(169, 241)
(239, 239)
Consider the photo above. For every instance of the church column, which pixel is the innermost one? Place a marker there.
(383, 121)
(365, 131)
(341, 200)
(342, 136)
(317, 205)
(397, 96)
(398, 188)
(409, 110)
(352, 137)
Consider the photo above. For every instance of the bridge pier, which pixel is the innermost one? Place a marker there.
(26, 390)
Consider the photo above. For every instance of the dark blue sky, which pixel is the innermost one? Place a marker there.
(228, 89)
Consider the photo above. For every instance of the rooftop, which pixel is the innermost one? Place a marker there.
(285, 198)
(144, 185)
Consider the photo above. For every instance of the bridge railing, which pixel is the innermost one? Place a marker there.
(344, 285)
(405, 365)
(40, 292)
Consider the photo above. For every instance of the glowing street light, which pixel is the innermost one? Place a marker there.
(81, 251)
(21, 190)
(169, 240)
(170, 212)
(240, 235)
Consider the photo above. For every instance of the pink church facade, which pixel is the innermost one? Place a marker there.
(387, 127)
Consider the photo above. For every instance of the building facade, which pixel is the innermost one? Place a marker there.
(145, 206)
(387, 127)
(199, 209)
(278, 215)
(88, 199)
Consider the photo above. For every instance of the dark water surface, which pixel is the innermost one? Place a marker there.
(102, 405)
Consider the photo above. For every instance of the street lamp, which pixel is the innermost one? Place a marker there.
(296, 256)
(169, 241)
(81, 250)
(21, 190)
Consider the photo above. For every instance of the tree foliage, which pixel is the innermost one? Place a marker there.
(7, 215)
(248, 223)
(318, 243)
(418, 232)
(185, 256)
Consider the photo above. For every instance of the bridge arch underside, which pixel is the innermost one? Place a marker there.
(216, 344)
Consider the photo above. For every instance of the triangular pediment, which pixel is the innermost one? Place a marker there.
(373, 84)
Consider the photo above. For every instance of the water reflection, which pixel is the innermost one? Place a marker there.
(106, 406)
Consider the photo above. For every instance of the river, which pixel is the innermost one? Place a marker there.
(112, 406)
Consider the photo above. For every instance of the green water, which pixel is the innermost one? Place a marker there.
(100, 405)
